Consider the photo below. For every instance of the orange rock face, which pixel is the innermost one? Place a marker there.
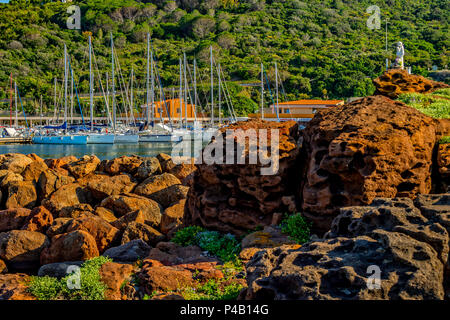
(443, 163)
(40, 220)
(73, 246)
(124, 164)
(114, 275)
(13, 219)
(373, 147)
(14, 287)
(396, 81)
(237, 197)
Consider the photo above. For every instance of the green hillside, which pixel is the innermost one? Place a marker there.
(323, 48)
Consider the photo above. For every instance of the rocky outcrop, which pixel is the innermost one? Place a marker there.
(236, 198)
(39, 219)
(84, 166)
(21, 195)
(124, 164)
(443, 164)
(373, 147)
(67, 196)
(394, 82)
(114, 276)
(14, 287)
(129, 252)
(136, 230)
(13, 219)
(105, 186)
(14, 162)
(149, 167)
(405, 246)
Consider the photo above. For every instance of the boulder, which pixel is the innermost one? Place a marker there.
(136, 230)
(172, 217)
(21, 195)
(107, 186)
(394, 82)
(124, 164)
(83, 166)
(114, 275)
(59, 269)
(51, 180)
(59, 226)
(39, 220)
(443, 164)
(35, 157)
(76, 211)
(21, 249)
(237, 198)
(391, 235)
(105, 214)
(8, 178)
(184, 172)
(129, 252)
(34, 170)
(149, 167)
(170, 195)
(170, 253)
(372, 147)
(14, 162)
(156, 183)
(3, 268)
(269, 237)
(72, 246)
(105, 235)
(123, 204)
(13, 219)
(134, 216)
(165, 161)
(68, 195)
(61, 163)
(15, 287)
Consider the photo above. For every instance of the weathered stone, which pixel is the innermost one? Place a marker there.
(170, 195)
(170, 253)
(39, 220)
(59, 226)
(105, 235)
(184, 172)
(84, 166)
(114, 275)
(59, 269)
(397, 81)
(34, 170)
(15, 287)
(134, 216)
(124, 164)
(155, 277)
(9, 177)
(107, 186)
(149, 167)
(76, 211)
(166, 162)
(73, 246)
(68, 195)
(129, 252)
(50, 181)
(21, 195)
(3, 268)
(123, 204)
(136, 230)
(268, 238)
(105, 214)
(21, 249)
(443, 164)
(238, 198)
(13, 219)
(61, 163)
(14, 162)
(172, 217)
(372, 147)
(156, 183)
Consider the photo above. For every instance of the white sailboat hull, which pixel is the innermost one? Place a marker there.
(160, 138)
(100, 138)
(126, 138)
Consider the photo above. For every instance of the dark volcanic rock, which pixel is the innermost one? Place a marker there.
(373, 147)
(409, 248)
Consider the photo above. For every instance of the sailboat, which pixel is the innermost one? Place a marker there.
(58, 134)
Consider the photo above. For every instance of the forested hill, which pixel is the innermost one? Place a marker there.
(323, 48)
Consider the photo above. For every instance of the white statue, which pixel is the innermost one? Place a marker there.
(400, 54)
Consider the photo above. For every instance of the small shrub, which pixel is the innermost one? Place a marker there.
(296, 227)
(214, 289)
(445, 140)
(92, 288)
(187, 236)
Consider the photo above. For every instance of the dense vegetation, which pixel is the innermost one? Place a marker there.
(435, 105)
(323, 48)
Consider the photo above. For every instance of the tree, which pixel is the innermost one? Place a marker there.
(202, 26)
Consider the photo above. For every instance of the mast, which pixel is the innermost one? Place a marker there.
(276, 84)
(195, 86)
(40, 113)
(113, 85)
(66, 75)
(262, 91)
(181, 96)
(71, 95)
(54, 115)
(152, 85)
(131, 95)
(220, 97)
(212, 87)
(148, 79)
(10, 100)
(185, 90)
(91, 85)
(107, 89)
(16, 123)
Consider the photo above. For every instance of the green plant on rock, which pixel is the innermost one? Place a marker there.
(214, 289)
(444, 140)
(187, 236)
(296, 227)
(92, 288)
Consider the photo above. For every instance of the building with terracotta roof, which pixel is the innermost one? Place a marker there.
(304, 106)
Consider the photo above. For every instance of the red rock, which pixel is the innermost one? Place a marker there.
(124, 164)
(14, 287)
(114, 275)
(136, 230)
(104, 234)
(164, 278)
(35, 157)
(169, 253)
(9, 178)
(125, 220)
(59, 226)
(172, 217)
(73, 246)
(3, 268)
(156, 183)
(76, 211)
(13, 219)
(83, 166)
(14, 162)
(21, 195)
(237, 198)
(21, 249)
(40, 219)
(184, 172)
(170, 195)
(33, 171)
(443, 164)
(68, 195)
(166, 162)
(60, 163)
(50, 181)
(397, 81)
(373, 147)
(123, 204)
(105, 214)
(107, 186)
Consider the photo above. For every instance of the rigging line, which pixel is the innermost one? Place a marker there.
(222, 75)
(101, 86)
(271, 97)
(195, 102)
(76, 92)
(189, 93)
(122, 87)
(23, 110)
(228, 96)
